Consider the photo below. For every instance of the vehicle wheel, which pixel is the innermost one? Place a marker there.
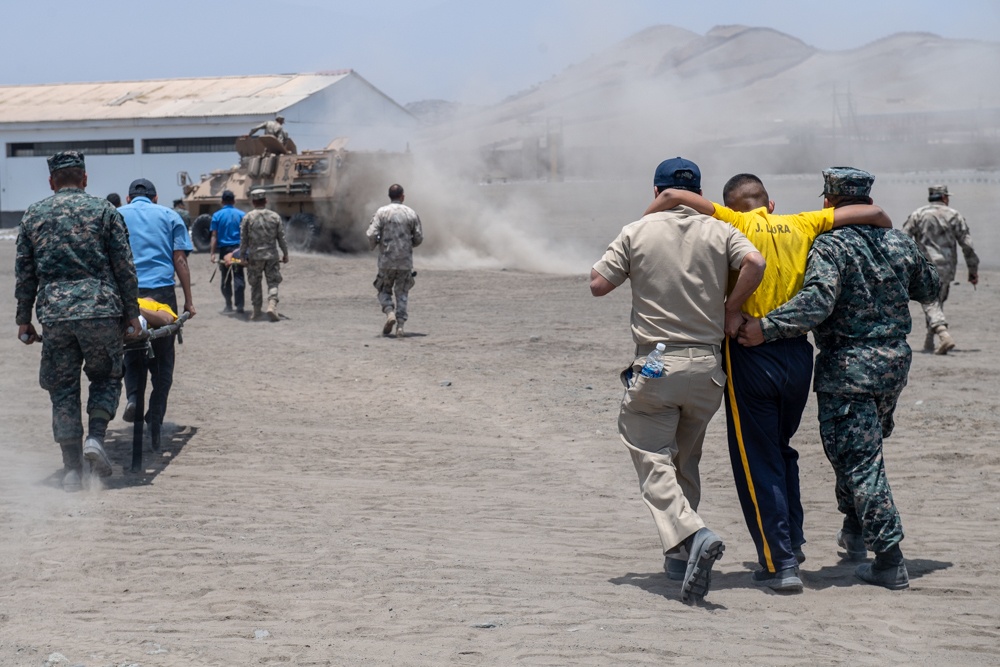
(201, 233)
(301, 231)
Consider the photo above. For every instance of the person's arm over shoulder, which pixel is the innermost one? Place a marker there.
(418, 231)
(741, 220)
(861, 214)
(813, 303)
(672, 198)
(120, 259)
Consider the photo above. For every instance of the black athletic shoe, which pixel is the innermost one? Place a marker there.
(783, 581)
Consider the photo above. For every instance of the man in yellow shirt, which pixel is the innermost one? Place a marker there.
(767, 386)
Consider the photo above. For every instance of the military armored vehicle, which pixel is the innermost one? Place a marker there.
(326, 197)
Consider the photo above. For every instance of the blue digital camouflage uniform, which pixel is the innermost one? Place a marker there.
(74, 265)
(858, 284)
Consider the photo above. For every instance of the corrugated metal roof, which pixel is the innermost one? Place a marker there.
(164, 98)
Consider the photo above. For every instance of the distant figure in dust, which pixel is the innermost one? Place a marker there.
(936, 228)
(396, 230)
(274, 128)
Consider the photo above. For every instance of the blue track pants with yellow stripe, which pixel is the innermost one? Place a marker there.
(766, 392)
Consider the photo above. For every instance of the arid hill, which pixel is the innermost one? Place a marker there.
(908, 101)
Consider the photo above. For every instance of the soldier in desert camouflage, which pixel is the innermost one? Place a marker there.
(936, 228)
(395, 230)
(74, 265)
(855, 299)
(260, 230)
(274, 128)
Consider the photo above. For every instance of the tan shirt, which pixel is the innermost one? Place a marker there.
(679, 263)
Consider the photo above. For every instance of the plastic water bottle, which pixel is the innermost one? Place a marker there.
(654, 362)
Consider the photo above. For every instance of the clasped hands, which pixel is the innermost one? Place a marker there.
(745, 329)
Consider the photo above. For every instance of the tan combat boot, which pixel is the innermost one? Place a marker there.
(947, 343)
(255, 315)
(272, 311)
(929, 342)
(390, 322)
(399, 330)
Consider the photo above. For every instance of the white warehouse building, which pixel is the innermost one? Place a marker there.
(157, 129)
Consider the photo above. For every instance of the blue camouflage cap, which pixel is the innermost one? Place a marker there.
(847, 181)
(65, 160)
(677, 173)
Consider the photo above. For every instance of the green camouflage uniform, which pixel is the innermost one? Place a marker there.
(937, 228)
(260, 230)
(185, 216)
(74, 265)
(855, 298)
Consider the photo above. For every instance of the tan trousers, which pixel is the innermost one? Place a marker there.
(662, 423)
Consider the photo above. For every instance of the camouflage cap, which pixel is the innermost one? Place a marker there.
(847, 181)
(938, 191)
(257, 194)
(66, 160)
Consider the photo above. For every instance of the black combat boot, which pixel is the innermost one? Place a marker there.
(72, 455)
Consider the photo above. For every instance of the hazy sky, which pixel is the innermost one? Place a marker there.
(463, 50)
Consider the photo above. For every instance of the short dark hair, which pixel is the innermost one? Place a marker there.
(395, 191)
(68, 176)
(744, 192)
(115, 199)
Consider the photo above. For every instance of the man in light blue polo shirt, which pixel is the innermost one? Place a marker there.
(226, 239)
(160, 246)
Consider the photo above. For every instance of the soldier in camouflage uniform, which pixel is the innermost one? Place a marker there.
(855, 299)
(936, 228)
(260, 229)
(396, 230)
(182, 211)
(73, 257)
(274, 128)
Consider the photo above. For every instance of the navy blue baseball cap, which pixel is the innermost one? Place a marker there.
(678, 173)
(140, 187)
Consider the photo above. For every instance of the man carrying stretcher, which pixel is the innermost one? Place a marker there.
(160, 246)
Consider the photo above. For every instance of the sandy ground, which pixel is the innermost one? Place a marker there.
(460, 497)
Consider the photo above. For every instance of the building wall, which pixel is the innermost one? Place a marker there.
(350, 108)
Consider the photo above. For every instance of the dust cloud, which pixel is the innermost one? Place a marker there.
(545, 179)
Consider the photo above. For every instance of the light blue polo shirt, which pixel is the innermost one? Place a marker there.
(154, 233)
(226, 224)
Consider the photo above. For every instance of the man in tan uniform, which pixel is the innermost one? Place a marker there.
(260, 229)
(678, 262)
(936, 228)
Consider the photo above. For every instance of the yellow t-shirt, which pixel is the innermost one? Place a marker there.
(149, 304)
(784, 241)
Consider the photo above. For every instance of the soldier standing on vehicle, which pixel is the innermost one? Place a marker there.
(396, 230)
(73, 256)
(936, 228)
(274, 128)
(260, 230)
